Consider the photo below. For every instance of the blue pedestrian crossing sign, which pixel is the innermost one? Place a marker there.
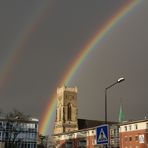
(102, 134)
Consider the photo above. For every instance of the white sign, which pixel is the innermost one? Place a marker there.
(141, 138)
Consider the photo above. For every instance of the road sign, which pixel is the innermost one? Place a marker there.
(102, 134)
(141, 138)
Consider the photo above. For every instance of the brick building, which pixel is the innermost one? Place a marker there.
(86, 138)
(134, 134)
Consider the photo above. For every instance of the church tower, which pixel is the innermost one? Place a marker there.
(66, 112)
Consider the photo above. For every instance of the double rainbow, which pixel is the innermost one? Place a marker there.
(20, 42)
(100, 34)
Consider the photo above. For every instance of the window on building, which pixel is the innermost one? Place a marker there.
(60, 114)
(146, 125)
(63, 114)
(126, 139)
(68, 144)
(69, 112)
(130, 138)
(112, 132)
(116, 132)
(136, 126)
(130, 127)
(112, 141)
(82, 143)
(1, 125)
(136, 138)
(29, 145)
(125, 128)
(36, 126)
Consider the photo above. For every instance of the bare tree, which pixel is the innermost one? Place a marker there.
(13, 127)
(17, 115)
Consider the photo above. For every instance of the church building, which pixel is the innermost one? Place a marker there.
(66, 112)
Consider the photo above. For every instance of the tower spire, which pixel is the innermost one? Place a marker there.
(121, 113)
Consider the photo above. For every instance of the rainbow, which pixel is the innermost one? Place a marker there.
(96, 39)
(20, 42)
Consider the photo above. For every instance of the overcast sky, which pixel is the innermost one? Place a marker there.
(39, 40)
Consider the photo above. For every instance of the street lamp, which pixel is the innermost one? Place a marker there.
(118, 81)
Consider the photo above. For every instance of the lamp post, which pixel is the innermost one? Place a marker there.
(118, 81)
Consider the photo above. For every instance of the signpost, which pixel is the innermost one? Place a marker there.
(102, 135)
(141, 138)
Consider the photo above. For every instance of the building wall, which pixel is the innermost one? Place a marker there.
(133, 139)
(141, 125)
(25, 131)
(114, 136)
(134, 135)
(86, 137)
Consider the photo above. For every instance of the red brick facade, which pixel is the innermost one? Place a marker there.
(132, 139)
(134, 134)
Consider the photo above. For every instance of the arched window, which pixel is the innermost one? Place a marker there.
(69, 111)
(60, 114)
(63, 114)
